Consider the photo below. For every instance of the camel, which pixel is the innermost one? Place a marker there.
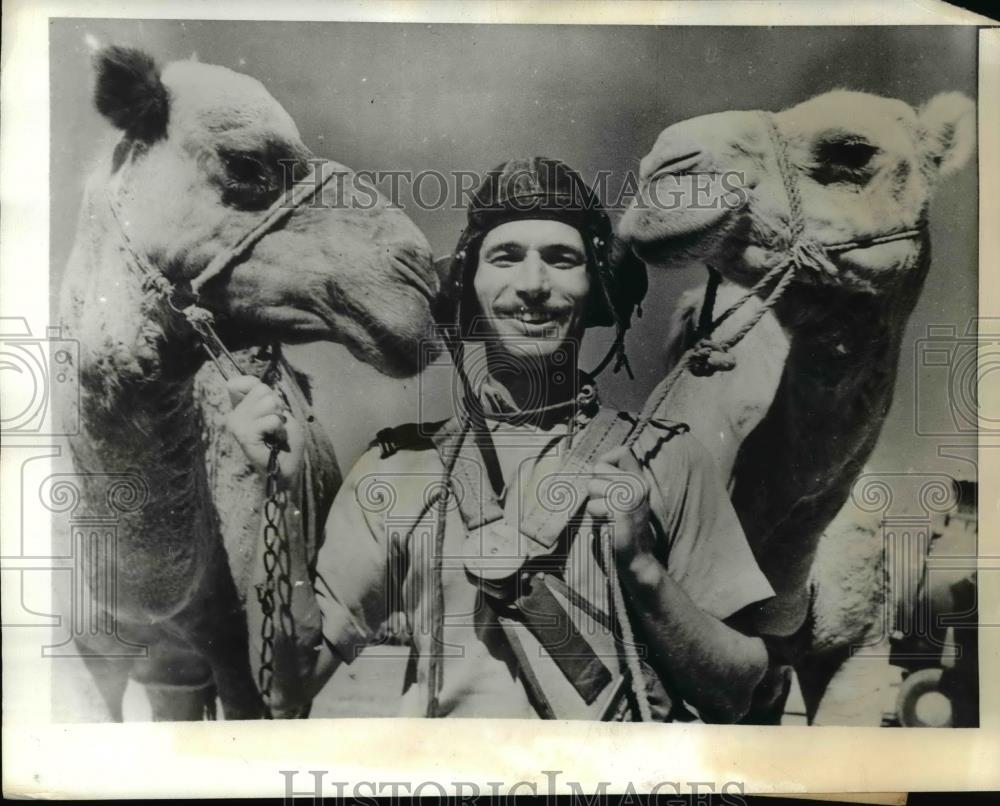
(793, 424)
(198, 159)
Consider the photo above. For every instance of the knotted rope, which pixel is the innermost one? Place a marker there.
(707, 357)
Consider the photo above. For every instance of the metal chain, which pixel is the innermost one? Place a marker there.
(277, 556)
(277, 561)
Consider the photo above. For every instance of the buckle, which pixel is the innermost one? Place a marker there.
(494, 554)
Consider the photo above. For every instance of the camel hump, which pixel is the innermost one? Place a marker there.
(405, 437)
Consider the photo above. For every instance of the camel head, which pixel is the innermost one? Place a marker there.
(203, 152)
(712, 188)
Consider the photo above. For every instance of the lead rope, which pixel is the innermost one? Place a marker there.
(705, 358)
(435, 670)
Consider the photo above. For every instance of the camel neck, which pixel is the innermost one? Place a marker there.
(137, 365)
(835, 324)
(840, 330)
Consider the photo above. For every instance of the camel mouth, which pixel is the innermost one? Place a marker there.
(670, 250)
(663, 238)
(418, 273)
(266, 324)
(675, 210)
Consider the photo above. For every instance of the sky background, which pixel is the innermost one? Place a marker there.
(465, 97)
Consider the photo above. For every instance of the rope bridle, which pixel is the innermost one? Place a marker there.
(202, 322)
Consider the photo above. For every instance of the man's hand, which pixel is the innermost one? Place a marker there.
(258, 420)
(618, 494)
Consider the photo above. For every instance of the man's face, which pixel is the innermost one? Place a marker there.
(532, 285)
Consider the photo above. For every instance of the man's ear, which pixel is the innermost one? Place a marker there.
(948, 125)
(129, 93)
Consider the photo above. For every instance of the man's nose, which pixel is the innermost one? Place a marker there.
(532, 280)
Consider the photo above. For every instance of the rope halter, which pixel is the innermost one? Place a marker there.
(707, 356)
(802, 254)
(202, 320)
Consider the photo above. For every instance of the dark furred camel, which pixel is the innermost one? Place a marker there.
(197, 160)
(792, 426)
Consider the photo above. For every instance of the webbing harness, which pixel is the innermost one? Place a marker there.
(518, 567)
(495, 550)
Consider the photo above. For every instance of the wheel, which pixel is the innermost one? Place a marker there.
(921, 704)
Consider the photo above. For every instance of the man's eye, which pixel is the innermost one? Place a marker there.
(503, 259)
(564, 261)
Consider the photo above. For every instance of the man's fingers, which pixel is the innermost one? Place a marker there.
(272, 426)
(253, 395)
(620, 457)
(239, 386)
(264, 403)
(619, 489)
(597, 508)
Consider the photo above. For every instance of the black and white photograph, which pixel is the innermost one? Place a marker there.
(565, 372)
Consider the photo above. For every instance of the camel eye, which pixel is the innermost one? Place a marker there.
(849, 153)
(247, 182)
(842, 160)
(244, 168)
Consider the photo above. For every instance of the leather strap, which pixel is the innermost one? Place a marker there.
(470, 483)
(544, 522)
(542, 613)
(542, 525)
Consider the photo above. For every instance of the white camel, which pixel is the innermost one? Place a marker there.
(841, 183)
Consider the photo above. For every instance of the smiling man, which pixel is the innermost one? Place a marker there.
(509, 582)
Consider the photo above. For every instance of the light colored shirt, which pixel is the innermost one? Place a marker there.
(378, 553)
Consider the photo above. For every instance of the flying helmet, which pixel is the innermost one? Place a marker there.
(545, 188)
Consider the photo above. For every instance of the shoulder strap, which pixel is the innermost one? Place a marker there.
(470, 485)
(541, 524)
(544, 524)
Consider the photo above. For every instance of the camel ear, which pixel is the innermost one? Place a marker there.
(948, 123)
(129, 93)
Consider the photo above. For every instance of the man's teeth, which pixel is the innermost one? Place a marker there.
(534, 318)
